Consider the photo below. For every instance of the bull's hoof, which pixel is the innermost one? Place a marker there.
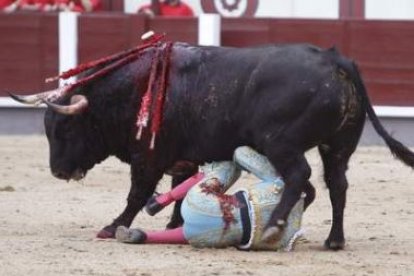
(126, 235)
(271, 234)
(334, 245)
(106, 233)
(153, 207)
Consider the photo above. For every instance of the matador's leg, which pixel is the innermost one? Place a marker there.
(156, 203)
(130, 235)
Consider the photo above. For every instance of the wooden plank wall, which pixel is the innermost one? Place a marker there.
(385, 53)
(113, 5)
(105, 34)
(184, 29)
(383, 49)
(28, 51)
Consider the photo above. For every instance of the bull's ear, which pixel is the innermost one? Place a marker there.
(78, 104)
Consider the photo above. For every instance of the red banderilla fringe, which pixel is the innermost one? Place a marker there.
(143, 114)
(86, 66)
(101, 72)
(159, 104)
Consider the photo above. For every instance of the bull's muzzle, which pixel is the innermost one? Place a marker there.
(76, 175)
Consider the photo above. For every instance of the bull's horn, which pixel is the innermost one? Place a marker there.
(39, 97)
(78, 103)
(30, 99)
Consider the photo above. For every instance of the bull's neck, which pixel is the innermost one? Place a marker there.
(115, 138)
(117, 105)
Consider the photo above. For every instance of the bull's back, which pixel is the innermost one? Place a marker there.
(229, 97)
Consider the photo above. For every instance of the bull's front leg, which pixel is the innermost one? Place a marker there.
(144, 179)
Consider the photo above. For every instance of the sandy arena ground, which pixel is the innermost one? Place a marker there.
(47, 226)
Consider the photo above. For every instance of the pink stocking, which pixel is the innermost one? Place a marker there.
(179, 191)
(171, 236)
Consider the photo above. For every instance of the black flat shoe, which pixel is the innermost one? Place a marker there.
(153, 207)
(127, 235)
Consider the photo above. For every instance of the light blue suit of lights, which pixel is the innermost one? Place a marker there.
(203, 217)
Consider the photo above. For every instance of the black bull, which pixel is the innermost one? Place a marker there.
(281, 100)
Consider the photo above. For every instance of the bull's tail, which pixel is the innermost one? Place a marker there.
(397, 148)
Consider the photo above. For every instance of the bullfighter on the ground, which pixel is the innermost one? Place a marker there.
(215, 219)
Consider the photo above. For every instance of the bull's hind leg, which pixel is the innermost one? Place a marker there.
(335, 157)
(335, 165)
(294, 168)
(309, 190)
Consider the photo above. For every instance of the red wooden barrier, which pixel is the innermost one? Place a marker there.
(104, 34)
(323, 33)
(184, 29)
(28, 51)
(113, 5)
(385, 54)
(243, 32)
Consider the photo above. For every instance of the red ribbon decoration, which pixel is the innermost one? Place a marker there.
(159, 104)
(143, 114)
(155, 82)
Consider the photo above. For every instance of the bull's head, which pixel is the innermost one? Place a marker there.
(82, 133)
(70, 132)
